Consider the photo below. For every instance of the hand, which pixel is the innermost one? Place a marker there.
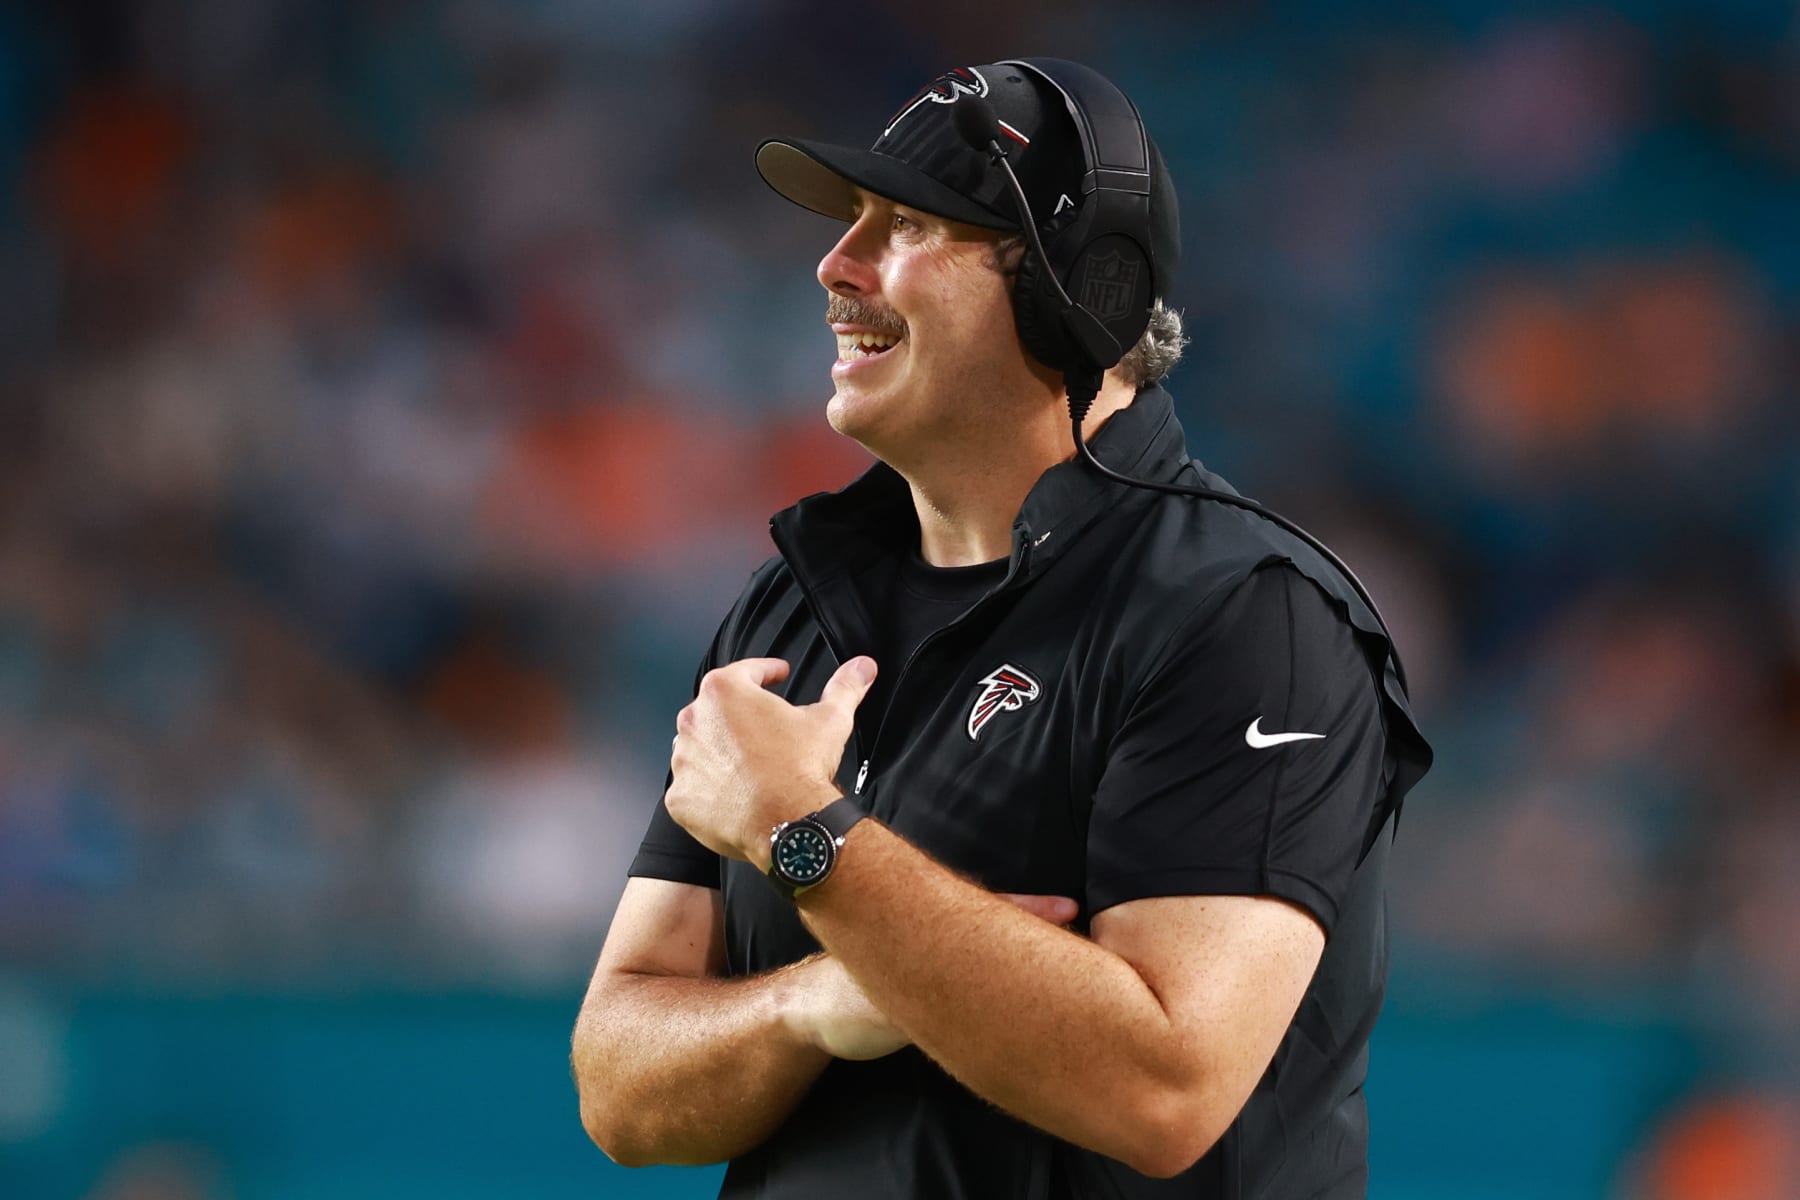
(745, 760)
(829, 1009)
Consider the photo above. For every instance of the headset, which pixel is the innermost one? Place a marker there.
(1101, 245)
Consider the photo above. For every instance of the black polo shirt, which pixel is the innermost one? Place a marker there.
(1112, 720)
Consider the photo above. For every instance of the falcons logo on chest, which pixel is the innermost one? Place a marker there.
(1006, 689)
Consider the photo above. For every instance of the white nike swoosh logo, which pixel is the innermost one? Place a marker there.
(1258, 740)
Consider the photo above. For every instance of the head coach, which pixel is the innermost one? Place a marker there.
(1027, 834)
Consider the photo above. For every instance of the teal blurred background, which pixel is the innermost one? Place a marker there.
(392, 395)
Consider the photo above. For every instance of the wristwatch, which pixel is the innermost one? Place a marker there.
(803, 851)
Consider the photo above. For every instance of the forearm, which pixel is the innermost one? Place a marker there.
(673, 1069)
(1054, 1028)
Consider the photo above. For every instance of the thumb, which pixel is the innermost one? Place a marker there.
(1058, 910)
(848, 685)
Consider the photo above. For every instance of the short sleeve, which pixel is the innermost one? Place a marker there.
(1249, 762)
(668, 851)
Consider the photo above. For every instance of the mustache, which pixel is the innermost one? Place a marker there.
(848, 310)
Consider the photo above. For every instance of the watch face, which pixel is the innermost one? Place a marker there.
(803, 853)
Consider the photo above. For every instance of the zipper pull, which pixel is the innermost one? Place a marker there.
(862, 774)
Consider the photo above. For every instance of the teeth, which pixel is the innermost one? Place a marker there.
(857, 345)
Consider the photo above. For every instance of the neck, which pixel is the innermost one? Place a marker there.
(966, 506)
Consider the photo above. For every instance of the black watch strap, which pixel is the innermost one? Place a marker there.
(838, 816)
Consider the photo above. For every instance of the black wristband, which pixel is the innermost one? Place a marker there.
(840, 815)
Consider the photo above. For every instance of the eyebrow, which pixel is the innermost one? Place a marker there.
(862, 198)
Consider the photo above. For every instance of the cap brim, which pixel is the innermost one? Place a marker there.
(824, 177)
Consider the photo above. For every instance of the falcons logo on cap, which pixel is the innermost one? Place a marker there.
(958, 81)
(1008, 688)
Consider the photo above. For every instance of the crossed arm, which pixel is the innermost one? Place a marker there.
(673, 1063)
(676, 1065)
(1142, 1043)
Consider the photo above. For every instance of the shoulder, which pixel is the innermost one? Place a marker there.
(1186, 558)
(770, 599)
(1202, 592)
(1225, 591)
(766, 581)
(1267, 626)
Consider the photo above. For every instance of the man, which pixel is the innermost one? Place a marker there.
(1131, 762)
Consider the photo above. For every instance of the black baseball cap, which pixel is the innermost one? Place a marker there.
(920, 160)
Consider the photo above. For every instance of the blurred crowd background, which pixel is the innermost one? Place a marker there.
(392, 394)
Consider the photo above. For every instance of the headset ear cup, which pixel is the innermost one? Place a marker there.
(1110, 277)
(1037, 308)
(1036, 312)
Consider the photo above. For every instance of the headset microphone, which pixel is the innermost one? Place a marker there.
(976, 123)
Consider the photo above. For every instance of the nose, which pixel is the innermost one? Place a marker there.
(848, 268)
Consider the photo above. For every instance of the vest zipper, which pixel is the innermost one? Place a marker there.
(837, 653)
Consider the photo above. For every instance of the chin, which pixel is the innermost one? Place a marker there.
(856, 415)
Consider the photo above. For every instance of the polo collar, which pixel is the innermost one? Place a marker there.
(834, 535)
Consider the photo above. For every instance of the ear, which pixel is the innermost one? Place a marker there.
(1007, 253)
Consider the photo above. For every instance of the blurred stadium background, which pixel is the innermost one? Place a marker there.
(392, 394)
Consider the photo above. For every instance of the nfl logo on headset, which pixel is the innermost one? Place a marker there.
(1108, 284)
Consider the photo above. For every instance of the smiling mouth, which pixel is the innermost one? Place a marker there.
(860, 345)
